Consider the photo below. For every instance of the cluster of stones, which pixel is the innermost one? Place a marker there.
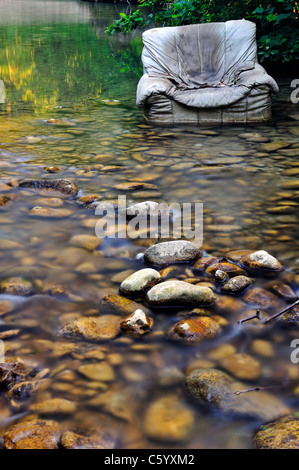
(142, 295)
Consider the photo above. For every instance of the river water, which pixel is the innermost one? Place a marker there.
(57, 64)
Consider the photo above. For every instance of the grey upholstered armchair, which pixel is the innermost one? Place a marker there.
(204, 73)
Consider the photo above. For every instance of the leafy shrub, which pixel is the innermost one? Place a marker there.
(277, 20)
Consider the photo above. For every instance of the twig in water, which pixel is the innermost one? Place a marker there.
(281, 312)
(268, 320)
(252, 317)
(257, 389)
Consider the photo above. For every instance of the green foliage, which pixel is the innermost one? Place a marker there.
(277, 20)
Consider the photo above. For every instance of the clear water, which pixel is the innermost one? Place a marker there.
(57, 63)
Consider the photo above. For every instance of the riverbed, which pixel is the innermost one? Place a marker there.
(70, 104)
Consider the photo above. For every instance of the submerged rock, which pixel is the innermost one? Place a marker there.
(98, 372)
(236, 285)
(52, 169)
(116, 403)
(63, 186)
(103, 328)
(218, 389)
(146, 209)
(260, 297)
(137, 324)
(4, 200)
(139, 281)
(82, 240)
(169, 419)
(134, 186)
(50, 212)
(86, 440)
(229, 268)
(242, 366)
(179, 293)
(281, 434)
(171, 252)
(86, 201)
(194, 330)
(53, 406)
(34, 434)
(121, 304)
(16, 286)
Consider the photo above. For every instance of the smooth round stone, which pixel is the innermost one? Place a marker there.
(67, 188)
(136, 324)
(89, 242)
(54, 406)
(262, 260)
(293, 184)
(121, 304)
(229, 268)
(4, 200)
(8, 244)
(236, 285)
(99, 372)
(86, 440)
(260, 297)
(253, 137)
(103, 328)
(16, 286)
(281, 434)
(34, 434)
(218, 389)
(115, 402)
(169, 419)
(273, 146)
(139, 281)
(144, 209)
(171, 252)
(194, 330)
(242, 366)
(134, 186)
(262, 348)
(179, 293)
(50, 212)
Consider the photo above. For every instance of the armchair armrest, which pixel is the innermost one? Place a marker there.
(149, 86)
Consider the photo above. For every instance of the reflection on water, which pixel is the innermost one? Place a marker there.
(56, 63)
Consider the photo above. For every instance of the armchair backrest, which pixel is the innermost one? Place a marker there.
(199, 54)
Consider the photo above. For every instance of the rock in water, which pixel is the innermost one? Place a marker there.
(139, 281)
(281, 434)
(171, 252)
(34, 434)
(262, 260)
(63, 186)
(16, 286)
(218, 389)
(168, 419)
(236, 285)
(144, 209)
(179, 293)
(4, 200)
(195, 329)
(103, 328)
(137, 324)
(242, 366)
(83, 440)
